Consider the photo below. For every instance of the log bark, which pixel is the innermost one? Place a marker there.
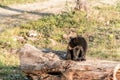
(45, 64)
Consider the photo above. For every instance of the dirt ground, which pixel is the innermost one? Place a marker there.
(13, 15)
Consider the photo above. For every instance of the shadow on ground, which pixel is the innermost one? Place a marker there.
(23, 11)
(11, 73)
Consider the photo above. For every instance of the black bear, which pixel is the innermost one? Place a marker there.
(76, 49)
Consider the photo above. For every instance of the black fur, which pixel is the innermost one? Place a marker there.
(76, 49)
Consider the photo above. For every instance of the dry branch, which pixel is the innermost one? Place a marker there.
(43, 64)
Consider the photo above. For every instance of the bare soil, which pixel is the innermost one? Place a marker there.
(13, 15)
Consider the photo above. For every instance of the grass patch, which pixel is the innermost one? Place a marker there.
(102, 54)
(8, 2)
(9, 67)
(99, 36)
(11, 73)
(101, 31)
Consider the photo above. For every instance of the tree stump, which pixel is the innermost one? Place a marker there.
(44, 64)
(82, 5)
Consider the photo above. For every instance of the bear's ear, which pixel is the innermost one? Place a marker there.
(71, 38)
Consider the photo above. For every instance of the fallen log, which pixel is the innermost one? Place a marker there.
(44, 64)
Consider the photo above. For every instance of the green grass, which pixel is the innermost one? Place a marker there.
(101, 30)
(8, 2)
(11, 73)
(9, 67)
